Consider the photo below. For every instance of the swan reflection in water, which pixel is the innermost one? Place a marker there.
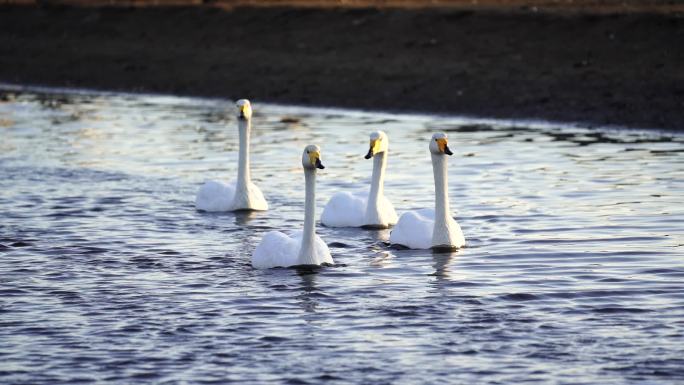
(244, 217)
(442, 261)
(307, 297)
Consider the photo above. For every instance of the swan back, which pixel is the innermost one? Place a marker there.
(346, 209)
(278, 249)
(414, 229)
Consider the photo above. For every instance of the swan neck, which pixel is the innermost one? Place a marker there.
(306, 250)
(439, 169)
(244, 172)
(377, 189)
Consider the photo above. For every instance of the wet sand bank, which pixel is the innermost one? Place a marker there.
(624, 68)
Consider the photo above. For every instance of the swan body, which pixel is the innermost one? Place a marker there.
(215, 196)
(431, 228)
(240, 194)
(348, 209)
(365, 208)
(278, 249)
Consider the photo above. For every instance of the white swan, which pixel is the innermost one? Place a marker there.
(365, 208)
(431, 228)
(301, 247)
(235, 195)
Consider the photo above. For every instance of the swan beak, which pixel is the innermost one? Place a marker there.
(315, 159)
(443, 147)
(374, 148)
(242, 112)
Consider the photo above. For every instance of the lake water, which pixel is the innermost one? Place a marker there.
(574, 271)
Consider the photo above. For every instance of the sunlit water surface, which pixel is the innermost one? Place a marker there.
(573, 271)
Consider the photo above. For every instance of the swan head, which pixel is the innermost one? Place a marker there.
(378, 144)
(311, 158)
(439, 144)
(244, 109)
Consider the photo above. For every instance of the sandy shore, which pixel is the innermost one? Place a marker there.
(608, 67)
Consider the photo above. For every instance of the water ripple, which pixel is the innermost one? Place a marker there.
(572, 274)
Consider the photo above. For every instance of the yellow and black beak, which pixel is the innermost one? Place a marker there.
(242, 112)
(374, 148)
(443, 146)
(315, 159)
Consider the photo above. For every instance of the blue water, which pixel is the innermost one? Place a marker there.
(574, 271)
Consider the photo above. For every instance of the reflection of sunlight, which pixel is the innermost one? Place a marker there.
(382, 259)
(381, 235)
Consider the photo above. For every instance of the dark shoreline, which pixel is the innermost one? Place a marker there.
(603, 69)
